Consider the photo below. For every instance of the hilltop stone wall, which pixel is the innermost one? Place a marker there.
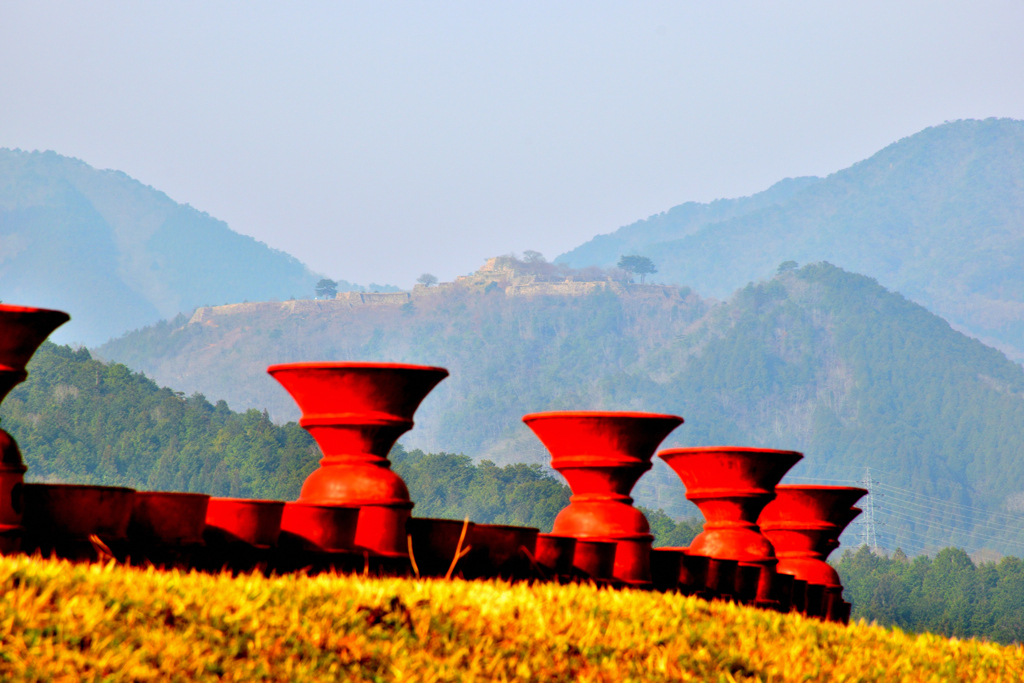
(206, 314)
(495, 274)
(567, 288)
(373, 298)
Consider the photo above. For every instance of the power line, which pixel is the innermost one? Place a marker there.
(931, 524)
(958, 517)
(869, 539)
(941, 501)
(886, 486)
(940, 521)
(821, 480)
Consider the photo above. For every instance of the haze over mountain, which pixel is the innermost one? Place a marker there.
(117, 254)
(937, 216)
(819, 360)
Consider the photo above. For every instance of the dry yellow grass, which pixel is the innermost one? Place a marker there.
(71, 622)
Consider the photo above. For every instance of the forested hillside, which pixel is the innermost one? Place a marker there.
(118, 254)
(947, 594)
(816, 359)
(937, 216)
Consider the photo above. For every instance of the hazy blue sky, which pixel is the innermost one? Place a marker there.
(377, 141)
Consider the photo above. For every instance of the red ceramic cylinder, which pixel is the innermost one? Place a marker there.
(721, 577)
(435, 543)
(356, 412)
(666, 564)
(693, 572)
(59, 514)
(748, 577)
(168, 518)
(318, 528)
(555, 553)
(782, 591)
(802, 523)
(731, 485)
(22, 330)
(12, 476)
(500, 550)
(832, 605)
(602, 455)
(814, 601)
(594, 559)
(842, 615)
(799, 595)
(244, 520)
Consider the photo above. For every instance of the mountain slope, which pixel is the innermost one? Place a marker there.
(119, 255)
(819, 359)
(679, 221)
(938, 216)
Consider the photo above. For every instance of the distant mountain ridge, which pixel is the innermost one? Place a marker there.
(679, 221)
(119, 255)
(937, 216)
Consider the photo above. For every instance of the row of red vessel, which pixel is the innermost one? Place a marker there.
(763, 543)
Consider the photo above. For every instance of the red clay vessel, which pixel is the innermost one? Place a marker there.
(731, 485)
(318, 528)
(666, 564)
(168, 518)
(555, 554)
(842, 520)
(356, 412)
(500, 550)
(61, 517)
(435, 543)
(244, 520)
(801, 523)
(594, 559)
(602, 455)
(693, 572)
(22, 330)
(12, 504)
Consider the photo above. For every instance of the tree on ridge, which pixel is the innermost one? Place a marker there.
(640, 265)
(327, 289)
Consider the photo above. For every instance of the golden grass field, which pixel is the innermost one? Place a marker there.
(64, 621)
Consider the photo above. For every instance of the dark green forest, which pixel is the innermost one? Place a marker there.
(946, 594)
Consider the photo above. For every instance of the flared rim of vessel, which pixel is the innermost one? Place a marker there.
(724, 449)
(598, 414)
(341, 365)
